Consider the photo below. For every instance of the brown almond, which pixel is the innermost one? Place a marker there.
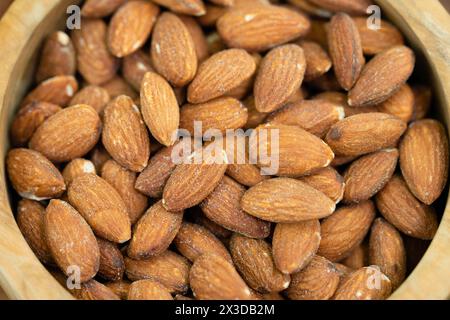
(328, 181)
(112, 265)
(135, 66)
(255, 118)
(189, 7)
(76, 168)
(358, 258)
(212, 14)
(317, 60)
(219, 231)
(117, 86)
(94, 290)
(100, 8)
(148, 290)
(99, 156)
(94, 96)
(198, 36)
(120, 288)
(422, 101)
(401, 104)
(356, 7)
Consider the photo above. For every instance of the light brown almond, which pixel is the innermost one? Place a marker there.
(148, 290)
(328, 181)
(317, 60)
(117, 86)
(76, 168)
(198, 36)
(94, 96)
(112, 265)
(212, 14)
(358, 258)
(401, 104)
(255, 118)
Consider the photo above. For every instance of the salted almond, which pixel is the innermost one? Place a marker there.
(100, 8)
(280, 74)
(382, 77)
(328, 181)
(317, 281)
(223, 207)
(367, 283)
(173, 50)
(112, 265)
(387, 251)
(148, 290)
(159, 108)
(28, 119)
(94, 96)
(219, 74)
(30, 219)
(193, 240)
(198, 36)
(365, 133)
(135, 66)
(424, 159)
(295, 244)
(102, 207)
(99, 156)
(375, 40)
(317, 60)
(356, 7)
(422, 101)
(358, 258)
(214, 278)
(76, 168)
(286, 200)
(260, 27)
(369, 174)
(168, 268)
(117, 86)
(57, 57)
(189, 7)
(154, 232)
(120, 288)
(68, 134)
(123, 181)
(399, 206)
(33, 176)
(71, 240)
(345, 229)
(94, 290)
(95, 63)
(401, 104)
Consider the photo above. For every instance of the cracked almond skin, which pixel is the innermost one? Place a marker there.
(214, 278)
(365, 133)
(369, 174)
(317, 59)
(280, 74)
(159, 108)
(130, 27)
(345, 229)
(94, 96)
(112, 265)
(76, 168)
(328, 181)
(154, 232)
(355, 7)
(68, 134)
(71, 240)
(102, 207)
(253, 259)
(94, 290)
(189, 7)
(173, 50)
(387, 251)
(295, 244)
(124, 135)
(33, 176)
(399, 206)
(299, 152)
(168, 268)
(424, 159)
(401, 104)
(345, 48)
(148, 290)
(382, 77)
(223, 207)
(362, 285)
(317, 281)
(219, 74)
(193, 240)
(286, 200)
(100, 8)
(261, 27)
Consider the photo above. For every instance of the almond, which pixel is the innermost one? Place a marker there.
(356, 7)
(76, 168)
(154, 232)
(317, 60)
(310, 8)
(71, 240)
(94, 290)
(135, 66)
(219, 231)
(198, 36)
(189, 7)
(212, 14)
(358, 258)
(148, 290)
(345, 229)
(255, 117)
(94, 96)
(328, 181)
(424, 159)
(295, 244)
(33, 176)
(99, 156)
(120, 288)
(422, 101)
(286, 200)
(100, 8)
(401, 104)
(101, 205)
(112, 265)
(117, 86)
(398, 206)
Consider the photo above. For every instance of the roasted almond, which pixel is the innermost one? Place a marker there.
(120, 288)
(99, 156)
(212, 14)
(112, 265)
(100, 8)
(94, 290)
(328, 181)
(358, 258)
(94, 96)
(317, 60)
(401, 104)
(356, 7)
(117, 86)
(135, 66)
(148, 290)
(219, 231)
(76, 168)
(189, 7)
(422, 101)
(198, 36)
(255, 118)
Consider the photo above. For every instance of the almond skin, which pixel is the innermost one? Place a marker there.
(317, 60)
(76, 168)
(135, 66)
(94, 290)
(100, 8)
(345, 48)
(125, 135)
(317, 281)
(286, 200)
(173, 50)
(219, 74)
(68, 134)
(159, 108)
(33, 176)
(154, 232)
(280, 74)
(345, 229)
(382, 77)
(102, 207)
(148, 290)
(369, 174)
(365, 133)
(387, 251)
(71, 240)
(94, 96)
(356, 7)
(223, 207)
(295, 244)
(424, 159)
(399, 206)
(130, 26)
(328, 181)
(260, 27)
(112, 265)
(214, 278)
(189, 7)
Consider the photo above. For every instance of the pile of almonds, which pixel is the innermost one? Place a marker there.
(360, 164)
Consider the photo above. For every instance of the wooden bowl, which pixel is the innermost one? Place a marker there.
(26, 24)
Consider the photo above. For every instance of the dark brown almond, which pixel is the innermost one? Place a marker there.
(135, 66)
(148, 290)
(401, 104)
(94, 290)
(112, 265)
(328, 181)
(94, 96)
(317, 60)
